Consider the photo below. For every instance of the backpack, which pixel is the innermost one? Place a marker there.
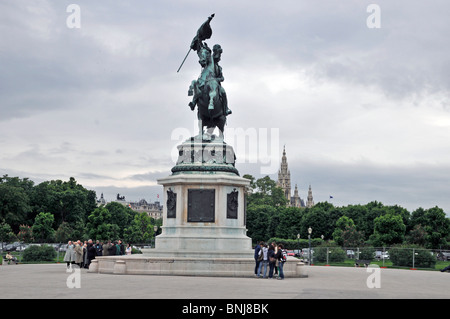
(283, 255)
(260, 255)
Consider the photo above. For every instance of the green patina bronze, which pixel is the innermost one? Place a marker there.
(207, 92)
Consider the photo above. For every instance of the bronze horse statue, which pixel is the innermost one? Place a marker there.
(207, 91)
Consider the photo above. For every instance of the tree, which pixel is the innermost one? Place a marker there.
(15, 200)
(437, 228)
(25, 234)
(389, 229)
(266, 192)
(99, 225)
(140, 230)
(43, 227)
(318, 218)
(417, 236)
(121, 215)
(6, 233)
(258, 217)
(342, 224)
(64, 233)
(67, 201)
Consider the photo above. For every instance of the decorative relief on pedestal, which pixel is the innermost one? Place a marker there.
(171, 204)
(201, 205)
(205, 156)
(232, 204)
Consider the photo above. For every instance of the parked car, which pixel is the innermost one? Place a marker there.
(290, 253)
(350, 254)
(444, 255)
(381, 254)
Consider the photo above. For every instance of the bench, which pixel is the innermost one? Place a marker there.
(362, 262)
(9, 262)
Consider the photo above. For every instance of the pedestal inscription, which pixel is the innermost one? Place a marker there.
(201, 204)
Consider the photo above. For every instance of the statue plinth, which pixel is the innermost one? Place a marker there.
(205, 156)
(204, 213)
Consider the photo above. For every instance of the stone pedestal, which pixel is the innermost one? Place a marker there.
(204, 217)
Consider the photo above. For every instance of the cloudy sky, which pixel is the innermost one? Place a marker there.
(363, 111)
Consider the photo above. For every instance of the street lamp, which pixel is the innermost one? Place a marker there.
(309, 238)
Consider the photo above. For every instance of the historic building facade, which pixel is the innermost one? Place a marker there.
(284, 182)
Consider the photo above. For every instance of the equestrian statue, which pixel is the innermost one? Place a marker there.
(207, 92)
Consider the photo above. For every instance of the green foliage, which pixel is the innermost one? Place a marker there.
(342, 224)
(64, 233)
(25, 234)
(67, 201)
(14, 200)
(39, 253)
(43, 227)
(402, 255)
(335, 253)
(389, 229)
(99, 225)
(140, 230)
(6, 233)
(366, 253)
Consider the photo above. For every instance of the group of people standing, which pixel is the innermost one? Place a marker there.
(82, 254)
(269, 257)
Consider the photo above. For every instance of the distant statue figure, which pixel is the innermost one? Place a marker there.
(207, 92)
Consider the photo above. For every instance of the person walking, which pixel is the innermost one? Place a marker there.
(128, 250)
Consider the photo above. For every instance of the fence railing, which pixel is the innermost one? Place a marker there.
(412, 258)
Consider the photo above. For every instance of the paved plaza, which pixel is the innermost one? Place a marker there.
(51, 281)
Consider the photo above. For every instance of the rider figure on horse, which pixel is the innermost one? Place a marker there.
(210, 77)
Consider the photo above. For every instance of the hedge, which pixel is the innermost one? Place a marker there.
(39, 253)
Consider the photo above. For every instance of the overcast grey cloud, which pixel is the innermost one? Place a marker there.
(364, 112)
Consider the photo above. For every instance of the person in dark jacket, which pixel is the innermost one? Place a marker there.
(112, 250)
(279, 257)
(272, 260)
(91, 252)
(257, 250)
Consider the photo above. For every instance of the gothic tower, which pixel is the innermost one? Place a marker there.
(310, 201)
(284, 177)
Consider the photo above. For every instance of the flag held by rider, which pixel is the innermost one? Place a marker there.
(203, 33)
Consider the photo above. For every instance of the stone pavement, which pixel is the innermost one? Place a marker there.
(51, 281)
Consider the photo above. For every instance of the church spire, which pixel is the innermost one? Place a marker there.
(284, 176)
(310, 201)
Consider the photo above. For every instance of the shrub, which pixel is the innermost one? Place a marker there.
(335, 254)
(366, 253)
(403, 256)
(39, 253)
